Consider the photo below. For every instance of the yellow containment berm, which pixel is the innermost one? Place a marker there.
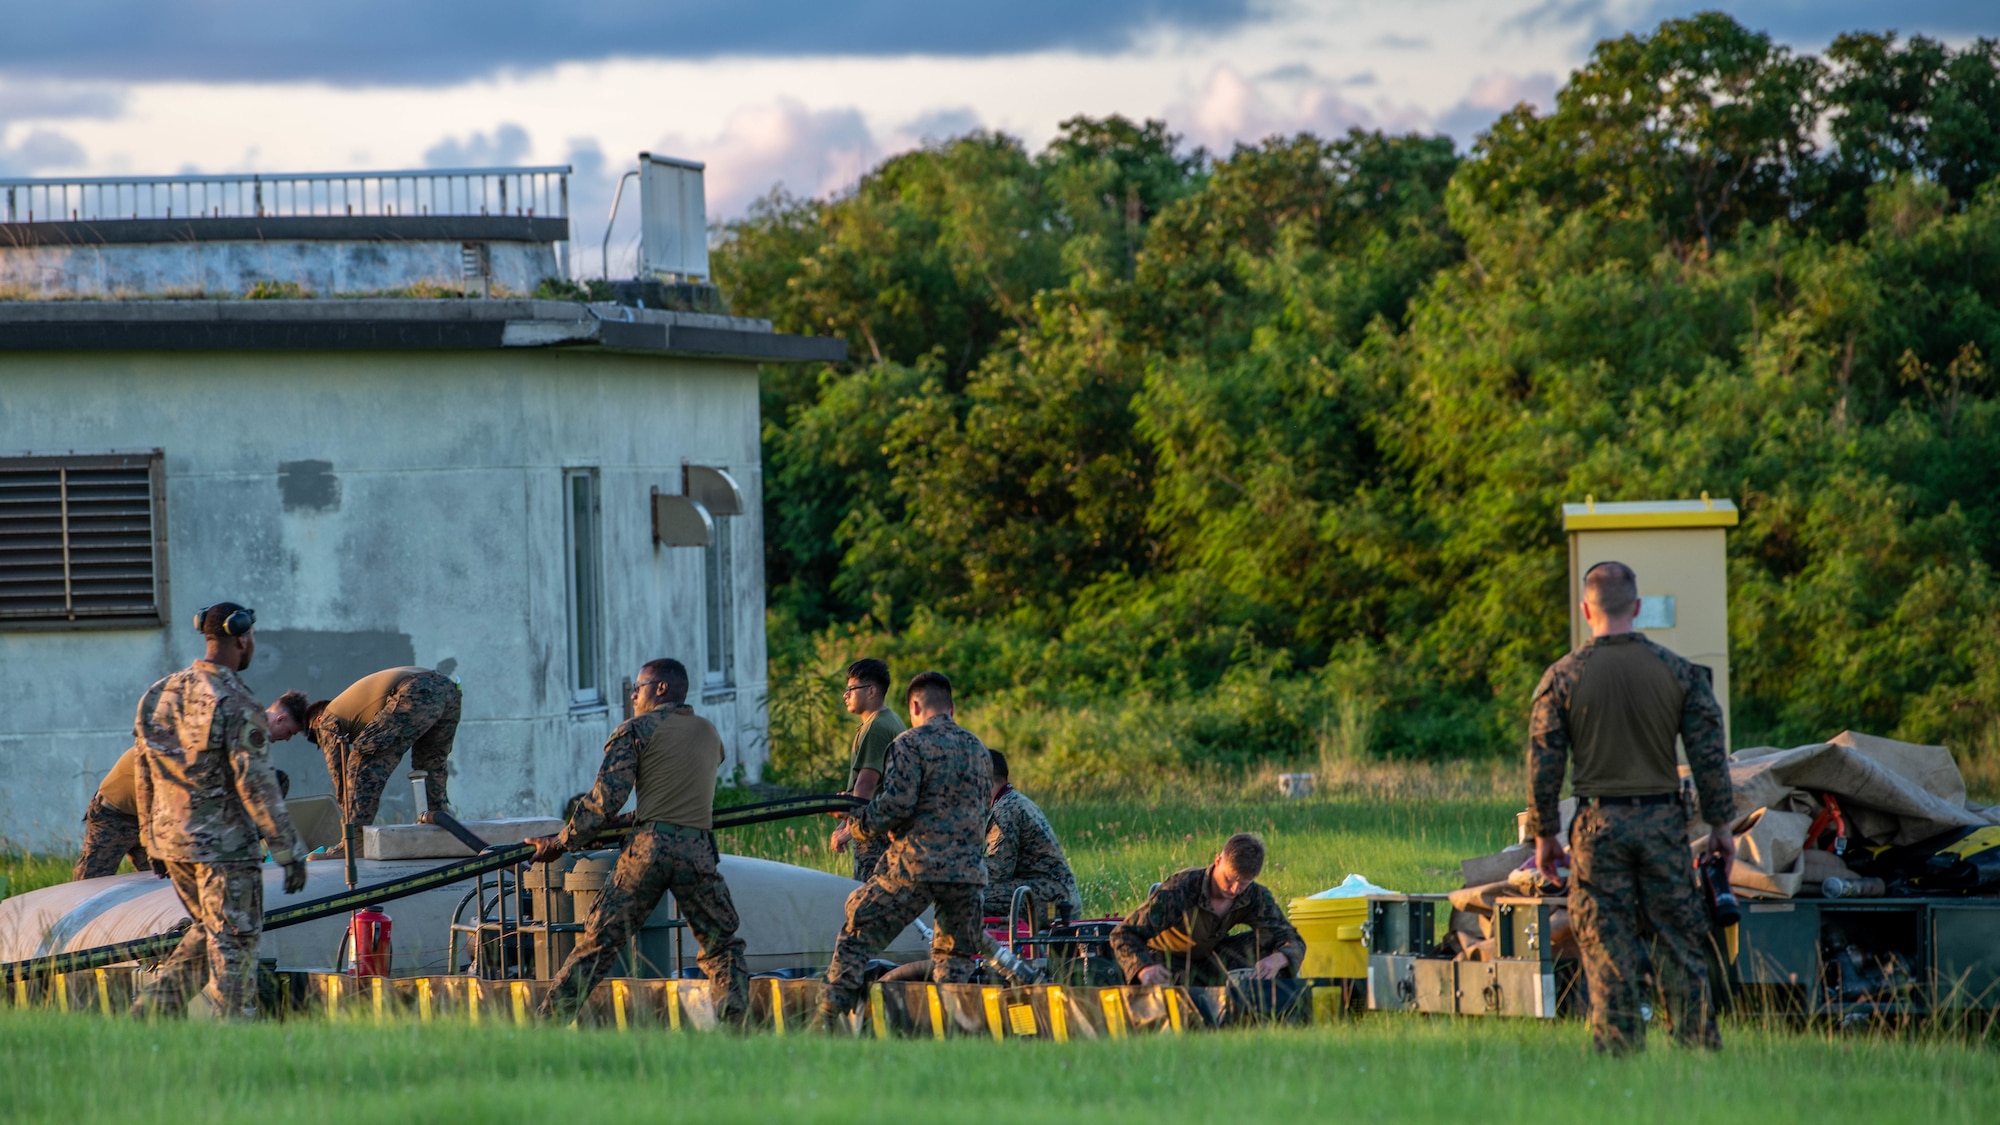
(1331, 928)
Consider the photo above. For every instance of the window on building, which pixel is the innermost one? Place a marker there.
(586, 577)
(720, 610)
(83, 540)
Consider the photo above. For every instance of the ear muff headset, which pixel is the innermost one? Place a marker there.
(235, 625)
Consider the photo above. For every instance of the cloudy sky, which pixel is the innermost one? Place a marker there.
(803, 93)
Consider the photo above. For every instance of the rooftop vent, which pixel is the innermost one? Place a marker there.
(673, 219)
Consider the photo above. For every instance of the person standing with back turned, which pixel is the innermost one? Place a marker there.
(206, 793)
(1615, 706)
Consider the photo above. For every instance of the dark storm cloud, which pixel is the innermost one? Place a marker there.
(364, 42)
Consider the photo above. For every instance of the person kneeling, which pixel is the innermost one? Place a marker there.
(1181, 934)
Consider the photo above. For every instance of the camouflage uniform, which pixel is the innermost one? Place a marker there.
(108, 837)
(932, 809)
(658, 858)
(208, 805)
(1022, 851)
(1633, 878)
(111, 823)
(421, 716)
(1174, 928)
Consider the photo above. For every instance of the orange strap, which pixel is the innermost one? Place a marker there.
(1830, 817)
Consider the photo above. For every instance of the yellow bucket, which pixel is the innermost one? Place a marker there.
(1331, 928)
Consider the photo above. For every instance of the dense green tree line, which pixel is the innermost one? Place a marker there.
(1262, 439)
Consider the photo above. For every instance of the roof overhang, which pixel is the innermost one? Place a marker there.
(398, 324)
(1644, 515)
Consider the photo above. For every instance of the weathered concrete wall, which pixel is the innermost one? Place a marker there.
(319, 266)
(378, 508)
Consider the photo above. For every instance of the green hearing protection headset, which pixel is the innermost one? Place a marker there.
(235, 625)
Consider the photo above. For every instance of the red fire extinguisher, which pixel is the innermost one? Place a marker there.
(369, 933)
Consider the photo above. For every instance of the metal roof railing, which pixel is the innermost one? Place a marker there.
(535, 191)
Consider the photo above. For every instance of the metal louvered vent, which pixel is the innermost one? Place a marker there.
(82, 539)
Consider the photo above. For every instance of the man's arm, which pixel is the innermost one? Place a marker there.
(1003, 847)
(247, 738)
(1128, 939)
(142, 774)
(1548, 752)
(1707, 750)
(894, 804)
(1275, 932)
(616, 776)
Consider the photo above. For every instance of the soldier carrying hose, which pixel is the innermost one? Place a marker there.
(670, 755)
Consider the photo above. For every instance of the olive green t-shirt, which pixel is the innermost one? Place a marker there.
(871, 744)
(120, 786)
(677, 767)
(364, 698)
(1624, 721)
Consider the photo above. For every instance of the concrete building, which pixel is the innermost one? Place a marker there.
(533, 496)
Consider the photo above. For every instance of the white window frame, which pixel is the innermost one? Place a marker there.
(719, 606)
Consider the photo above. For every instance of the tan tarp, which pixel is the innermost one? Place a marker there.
(1892, 792)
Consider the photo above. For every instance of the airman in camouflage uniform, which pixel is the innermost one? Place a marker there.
(364, 730)
(1177, 936)
(932, 808)
(670, 756)
(1616, 705)
(208, 806)
(1022, 851)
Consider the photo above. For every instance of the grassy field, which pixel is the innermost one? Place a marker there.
(1391, 1069)
(1403, 830)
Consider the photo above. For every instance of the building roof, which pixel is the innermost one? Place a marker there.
(1639, 515)
(398, 324)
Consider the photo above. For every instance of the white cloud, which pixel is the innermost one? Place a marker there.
(1232, 109)
(508, 145)
(42, 150)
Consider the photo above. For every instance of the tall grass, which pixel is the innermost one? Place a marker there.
(1379, 1068)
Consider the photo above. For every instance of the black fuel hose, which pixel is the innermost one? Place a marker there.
(346, 902)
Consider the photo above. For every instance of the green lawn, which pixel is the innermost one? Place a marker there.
(1407, 1069)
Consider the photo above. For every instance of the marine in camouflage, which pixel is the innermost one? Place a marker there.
(657, 860)
(420, 716)
(1175, 929)
(1549, 742)
(1022, 851)
(108, 837)
(931, 806)
(208, 806)
(1634, 889)
(879, 909)
(1631, 871)
(218, 957)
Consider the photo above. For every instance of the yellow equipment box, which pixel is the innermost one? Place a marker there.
(1332, 930)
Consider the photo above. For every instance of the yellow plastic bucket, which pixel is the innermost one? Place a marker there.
(1331, 928)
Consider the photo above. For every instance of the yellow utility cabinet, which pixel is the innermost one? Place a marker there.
(1676, 548)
